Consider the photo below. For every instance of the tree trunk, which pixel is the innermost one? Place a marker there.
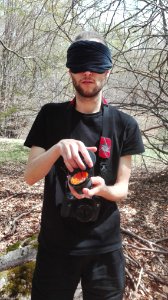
(17, 257)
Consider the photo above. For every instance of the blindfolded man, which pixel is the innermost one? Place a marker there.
(80, 141)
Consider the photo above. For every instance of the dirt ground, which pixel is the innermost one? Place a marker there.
(144, 223)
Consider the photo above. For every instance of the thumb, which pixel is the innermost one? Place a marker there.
(90, 192)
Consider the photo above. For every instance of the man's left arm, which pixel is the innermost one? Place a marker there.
(119, 190)
(116, 192)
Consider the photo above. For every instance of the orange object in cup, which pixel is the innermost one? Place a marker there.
(79, 177)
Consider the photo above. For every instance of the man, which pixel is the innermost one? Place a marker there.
(80, 230)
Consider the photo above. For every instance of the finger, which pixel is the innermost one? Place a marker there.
(76, 157)
(87, 193)
(68, 158)
(72, 163)
(90, 193)
(75, 194)
(86, 156)
(97, 180)
(93, 149)
(68, 166)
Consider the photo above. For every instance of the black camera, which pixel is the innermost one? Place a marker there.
(84, 210)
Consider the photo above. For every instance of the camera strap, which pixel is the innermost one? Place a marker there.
(105, 142)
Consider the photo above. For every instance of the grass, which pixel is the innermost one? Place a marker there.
(12, 150)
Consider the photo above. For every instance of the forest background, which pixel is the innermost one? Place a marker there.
(34, 37)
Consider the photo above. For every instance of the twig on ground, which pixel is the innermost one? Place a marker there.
(131, 278)
(136, 236)
(139, 280)
(12, 227)
(146, 249)
(161, 240)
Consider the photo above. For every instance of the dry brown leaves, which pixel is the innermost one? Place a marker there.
(20, 206)
(144, 213)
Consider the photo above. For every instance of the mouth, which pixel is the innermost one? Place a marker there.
(87, 81)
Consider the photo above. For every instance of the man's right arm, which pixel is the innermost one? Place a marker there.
(40, 161)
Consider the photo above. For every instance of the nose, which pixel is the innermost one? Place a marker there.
(87, 73)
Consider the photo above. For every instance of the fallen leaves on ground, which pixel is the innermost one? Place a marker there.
(144, 222)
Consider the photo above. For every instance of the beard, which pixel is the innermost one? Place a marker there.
(91, 91)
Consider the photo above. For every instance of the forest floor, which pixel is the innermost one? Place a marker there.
(144, 223)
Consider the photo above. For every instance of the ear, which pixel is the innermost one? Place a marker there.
(108, 73)
(70, 73)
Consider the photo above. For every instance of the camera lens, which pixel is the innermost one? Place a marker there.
(84, 213)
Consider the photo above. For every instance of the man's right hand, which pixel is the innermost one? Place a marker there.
(72, 150)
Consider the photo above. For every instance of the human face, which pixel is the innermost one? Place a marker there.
(89, 84)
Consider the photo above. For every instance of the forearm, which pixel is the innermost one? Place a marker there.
(116, 192)
(39, 166)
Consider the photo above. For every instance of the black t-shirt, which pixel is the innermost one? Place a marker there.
(53, 123)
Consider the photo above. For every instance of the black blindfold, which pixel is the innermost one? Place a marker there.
(88, 56)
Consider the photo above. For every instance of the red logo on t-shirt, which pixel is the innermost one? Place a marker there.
(105, 147)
